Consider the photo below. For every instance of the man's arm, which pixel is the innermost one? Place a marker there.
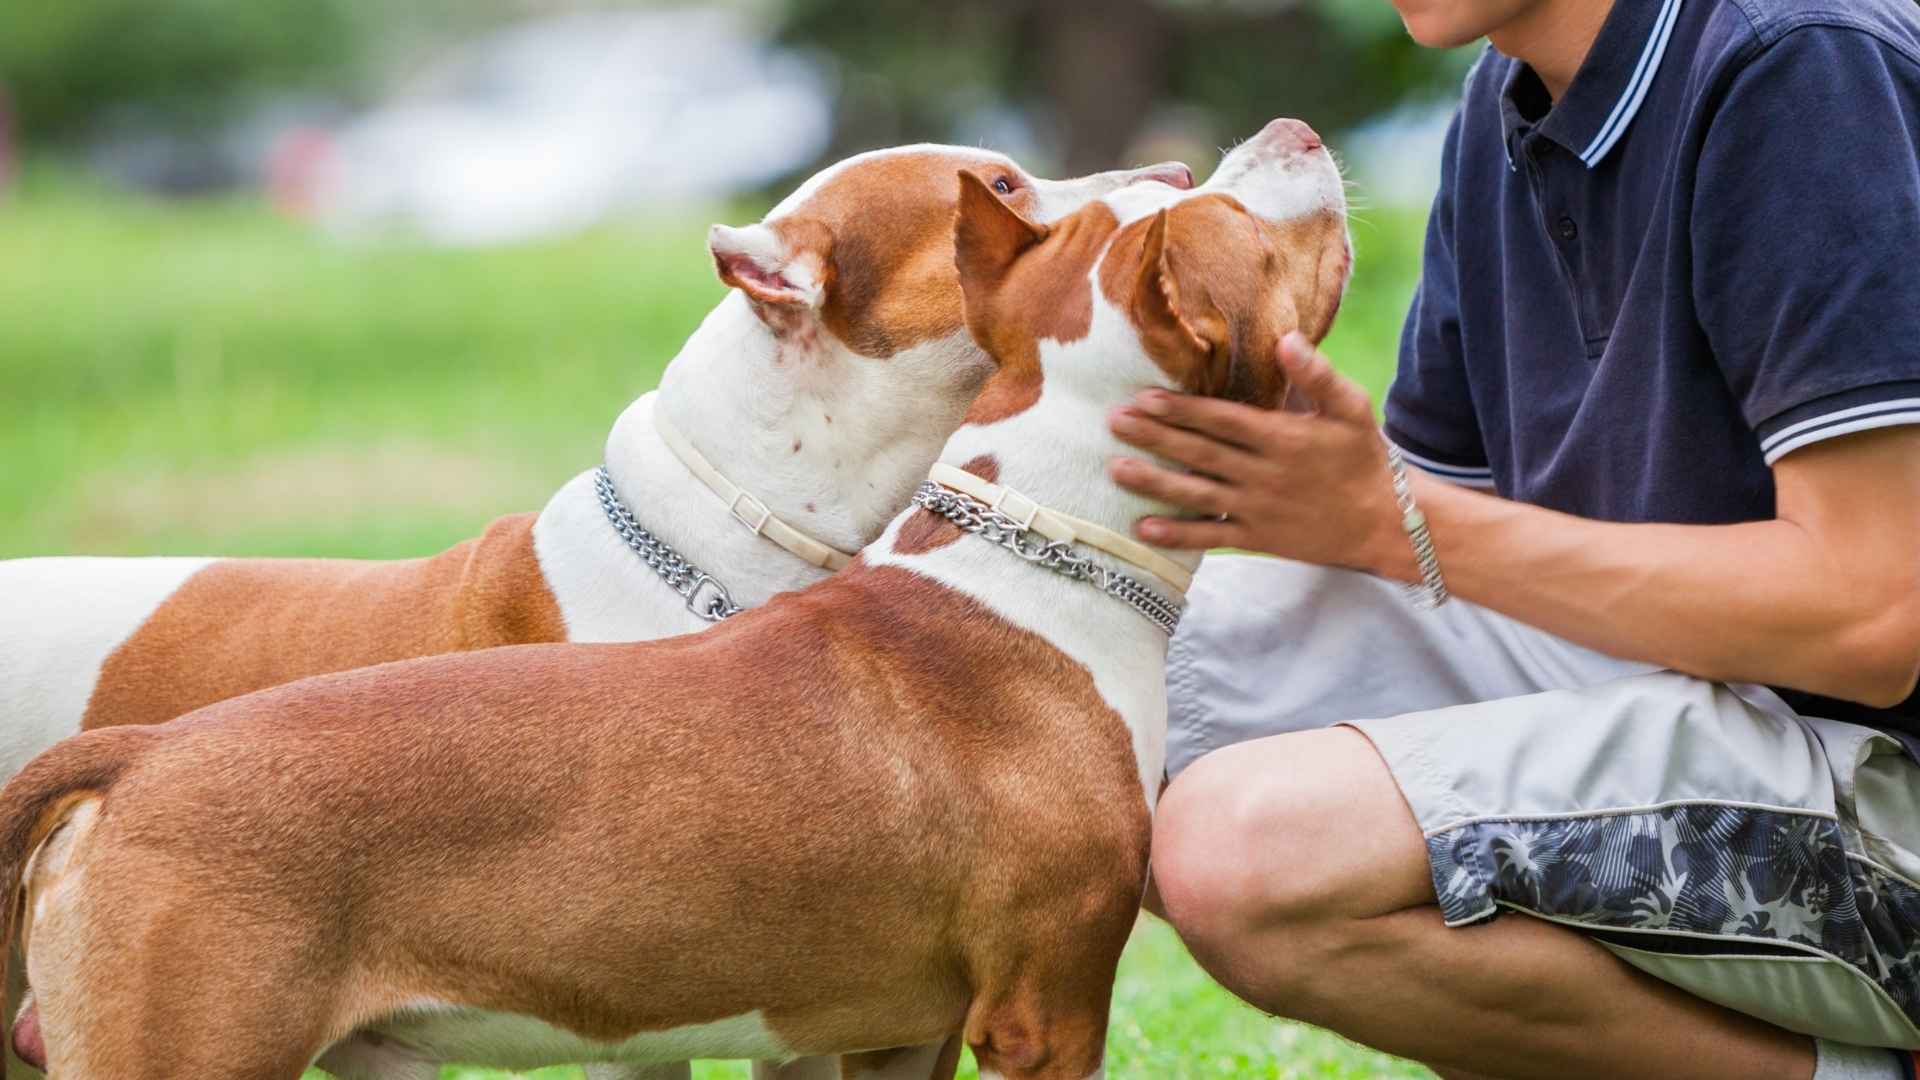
(1825, 598)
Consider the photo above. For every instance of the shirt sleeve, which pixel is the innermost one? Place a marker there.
(1806, 221)
(1429, 409)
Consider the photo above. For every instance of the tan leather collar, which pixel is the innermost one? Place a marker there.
(746, 509)
(1062, 528)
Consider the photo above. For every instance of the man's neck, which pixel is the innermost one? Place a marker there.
(1553, 37)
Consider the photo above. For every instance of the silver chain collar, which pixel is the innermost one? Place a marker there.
(976, 517)
(704, 594)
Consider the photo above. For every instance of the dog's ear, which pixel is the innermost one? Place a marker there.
(988, 236)
(1169, 337)
(757, 261)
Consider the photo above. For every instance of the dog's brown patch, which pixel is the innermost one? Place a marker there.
(984, 466)
(884, 230)
(926, 531)
(1042, 295)
(240, 625)
(1240, 307)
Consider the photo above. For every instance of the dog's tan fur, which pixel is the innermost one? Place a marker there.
(254, 828)
(242, 624)
(1186, 308)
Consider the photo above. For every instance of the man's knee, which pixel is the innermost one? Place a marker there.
(1221, 831)
(1250, 929)
(1281, 845)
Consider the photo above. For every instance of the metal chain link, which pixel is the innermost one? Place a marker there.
(976, 517)
(689, 581)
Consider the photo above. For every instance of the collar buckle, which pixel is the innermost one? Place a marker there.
(743, 507)
(719, 604)
(1021, 509)
(757, 515)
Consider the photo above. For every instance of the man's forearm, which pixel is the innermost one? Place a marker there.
(1824, 598)
(1755, 602)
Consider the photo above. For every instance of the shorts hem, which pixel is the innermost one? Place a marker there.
(1782, 879)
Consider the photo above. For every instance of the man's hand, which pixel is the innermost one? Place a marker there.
(1313, 486)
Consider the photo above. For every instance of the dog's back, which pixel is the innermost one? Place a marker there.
(694, 847)
(100, 642)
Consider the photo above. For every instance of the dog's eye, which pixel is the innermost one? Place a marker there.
(1003, 185)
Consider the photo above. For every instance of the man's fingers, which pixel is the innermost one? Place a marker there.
(1336, 395)
(1189, 492)
(1190, 535)
(1227, 421)
(1199, 452)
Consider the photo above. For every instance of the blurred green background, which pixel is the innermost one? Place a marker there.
(206, 377)
(198, 357)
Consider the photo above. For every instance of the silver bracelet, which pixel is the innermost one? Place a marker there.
(1431, 591)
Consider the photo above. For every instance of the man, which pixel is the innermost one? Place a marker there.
(1645, 800)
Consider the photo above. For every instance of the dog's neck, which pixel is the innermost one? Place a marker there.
(1056, 453)
(832, 441)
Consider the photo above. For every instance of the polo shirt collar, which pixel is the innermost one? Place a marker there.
(1610, 88)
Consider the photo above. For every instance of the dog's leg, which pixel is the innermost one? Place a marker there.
(244, 1004)
(934, 1061)
(677, 1071)
(99, 1033)
(360, 1058)
(17, 1000)
(1036, 1032)
(816, 1068)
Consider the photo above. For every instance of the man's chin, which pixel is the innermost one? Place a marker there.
(1450, 24)
(1439, 31)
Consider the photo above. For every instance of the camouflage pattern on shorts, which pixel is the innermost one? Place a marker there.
(1693, 870)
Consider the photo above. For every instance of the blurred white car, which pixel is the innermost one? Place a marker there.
(552, 125)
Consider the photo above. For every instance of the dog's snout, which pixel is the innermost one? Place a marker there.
(1171, 173)
(1288, 133)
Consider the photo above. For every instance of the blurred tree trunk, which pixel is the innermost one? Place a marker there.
(1105, 63)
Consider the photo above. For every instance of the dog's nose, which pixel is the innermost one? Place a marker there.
(1171, 173)
(1291, 134)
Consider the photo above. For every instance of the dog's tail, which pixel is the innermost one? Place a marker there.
(35, 803)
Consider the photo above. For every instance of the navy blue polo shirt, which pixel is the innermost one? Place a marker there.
(1704, 257)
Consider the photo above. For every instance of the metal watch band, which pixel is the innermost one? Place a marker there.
(1431, 591)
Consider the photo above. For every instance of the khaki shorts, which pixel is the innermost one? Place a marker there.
(1706, 834)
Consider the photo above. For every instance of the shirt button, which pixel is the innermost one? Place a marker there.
(1569, 229)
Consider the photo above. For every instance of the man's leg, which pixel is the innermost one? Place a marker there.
(1295, 871)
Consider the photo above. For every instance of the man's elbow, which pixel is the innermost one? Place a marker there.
(1878, 663)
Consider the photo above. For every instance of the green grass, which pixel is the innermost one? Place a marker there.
(209, 379)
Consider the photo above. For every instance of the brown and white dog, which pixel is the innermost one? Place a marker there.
(908, 803)
(824, 385)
